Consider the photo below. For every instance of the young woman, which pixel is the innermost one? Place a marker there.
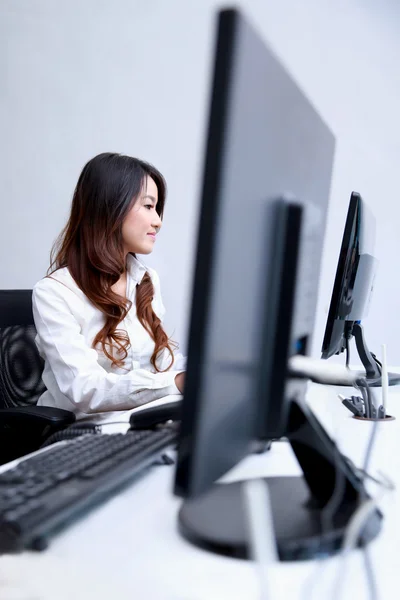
(99, 311)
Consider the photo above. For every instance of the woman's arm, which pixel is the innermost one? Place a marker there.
(74, 364)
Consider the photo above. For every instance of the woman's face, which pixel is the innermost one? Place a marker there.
(142, 222)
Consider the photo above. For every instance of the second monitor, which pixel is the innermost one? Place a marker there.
(352, 292)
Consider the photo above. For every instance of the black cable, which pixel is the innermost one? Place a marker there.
(113, 423)
(77, 429)
(70, 433)
(378, 363)
(347, 352)
(376, 359)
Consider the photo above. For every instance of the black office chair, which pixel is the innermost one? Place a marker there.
(24, 427)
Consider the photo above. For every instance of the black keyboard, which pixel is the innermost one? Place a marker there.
(49, 490)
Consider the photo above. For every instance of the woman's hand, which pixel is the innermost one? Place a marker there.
(180, 381)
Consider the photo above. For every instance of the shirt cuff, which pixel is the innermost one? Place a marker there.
(167, 380)
(172, 390)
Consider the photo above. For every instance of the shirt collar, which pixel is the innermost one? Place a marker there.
(136, 268)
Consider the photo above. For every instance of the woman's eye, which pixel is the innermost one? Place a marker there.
(149, 206)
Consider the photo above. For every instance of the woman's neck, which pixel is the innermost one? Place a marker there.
(120, 287)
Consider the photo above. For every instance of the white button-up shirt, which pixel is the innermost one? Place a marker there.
(82, 379)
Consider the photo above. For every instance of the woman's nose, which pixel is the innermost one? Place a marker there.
(157, 222)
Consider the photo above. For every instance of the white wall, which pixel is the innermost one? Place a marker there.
(132, 76)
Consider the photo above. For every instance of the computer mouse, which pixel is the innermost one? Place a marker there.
(153, 414)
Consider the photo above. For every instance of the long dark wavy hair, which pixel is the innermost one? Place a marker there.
(91, 246)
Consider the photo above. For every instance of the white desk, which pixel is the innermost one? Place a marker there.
(129, 548)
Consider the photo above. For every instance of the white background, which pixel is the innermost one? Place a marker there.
(80, 78)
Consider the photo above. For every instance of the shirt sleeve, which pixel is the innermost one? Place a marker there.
(75, 365)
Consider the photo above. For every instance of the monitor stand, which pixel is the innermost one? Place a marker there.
(372, 368)
(306, 524)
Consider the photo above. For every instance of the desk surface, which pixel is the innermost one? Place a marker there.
(130, 547)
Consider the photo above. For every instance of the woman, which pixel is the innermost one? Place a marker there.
(99, 311)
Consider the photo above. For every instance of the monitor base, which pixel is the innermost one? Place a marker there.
(216, 521)
(373, 381)
(372, 367)
(393, 379)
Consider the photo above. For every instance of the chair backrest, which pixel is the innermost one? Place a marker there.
(21, 366)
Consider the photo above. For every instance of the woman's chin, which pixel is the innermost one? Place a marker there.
(144, 251)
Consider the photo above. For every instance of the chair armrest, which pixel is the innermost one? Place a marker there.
(34, 415)
(23, 429)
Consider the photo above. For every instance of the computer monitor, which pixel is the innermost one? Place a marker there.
(352, 291)
(264, 200)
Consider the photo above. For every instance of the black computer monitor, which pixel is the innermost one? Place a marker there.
(264, 201)
(352, 291)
